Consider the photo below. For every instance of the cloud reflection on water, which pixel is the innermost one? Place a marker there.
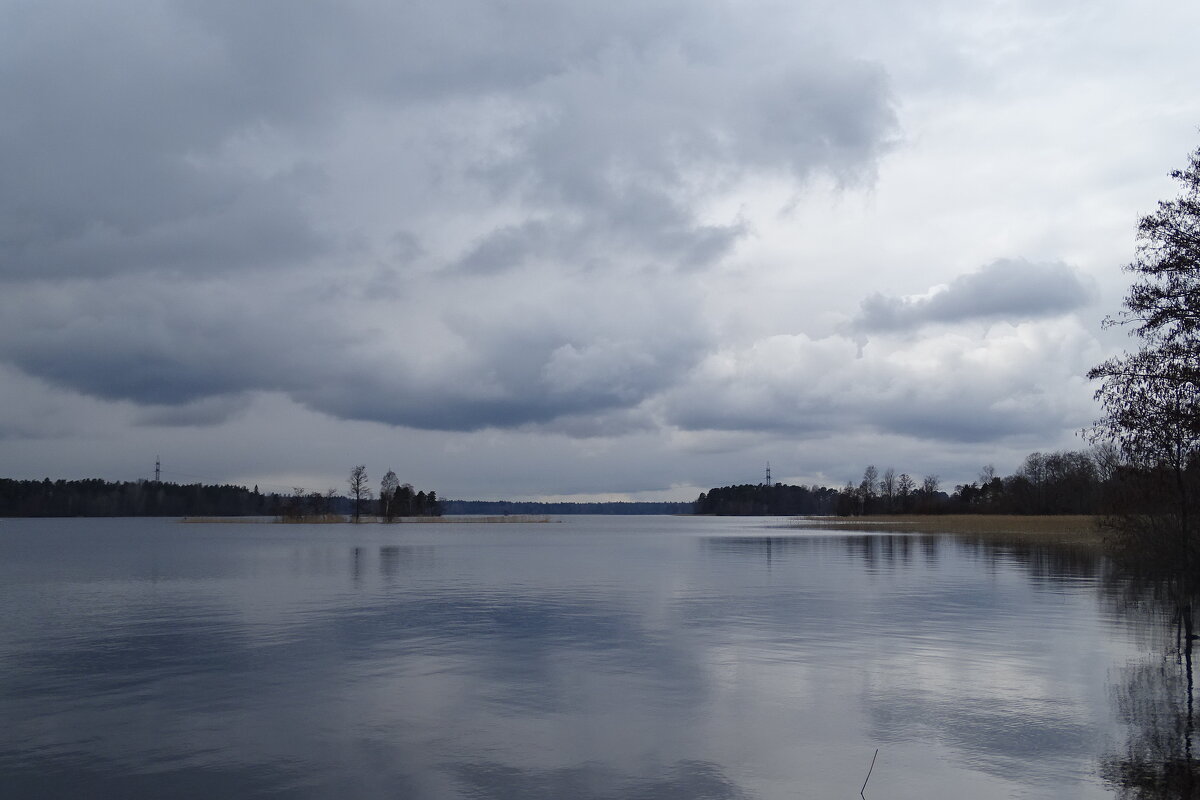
(461, 664)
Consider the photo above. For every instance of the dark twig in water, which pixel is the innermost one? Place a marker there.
(864, 788)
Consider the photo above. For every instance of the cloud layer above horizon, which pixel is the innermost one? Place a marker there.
(620, 250)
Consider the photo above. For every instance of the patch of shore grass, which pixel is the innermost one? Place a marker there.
(498, 518)
(1076, 529)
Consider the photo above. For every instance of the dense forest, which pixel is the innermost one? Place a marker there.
(761, 499)
(93, 497)
(1068, 482)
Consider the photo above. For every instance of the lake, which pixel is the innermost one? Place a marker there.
(588, 657)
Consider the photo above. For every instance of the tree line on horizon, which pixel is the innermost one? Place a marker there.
(95, 497)
(1055, 483)
(1066, 482)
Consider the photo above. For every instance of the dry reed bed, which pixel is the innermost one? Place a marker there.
(489, 519)
(338, 519)
(1060, 529)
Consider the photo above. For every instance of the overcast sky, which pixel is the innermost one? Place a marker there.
(540, 249)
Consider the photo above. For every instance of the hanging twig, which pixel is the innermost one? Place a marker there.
(864, 786)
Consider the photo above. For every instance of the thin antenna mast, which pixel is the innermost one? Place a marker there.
(157, 469)
(768, 474)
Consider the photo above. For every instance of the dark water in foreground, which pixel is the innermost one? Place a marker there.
(596, 658)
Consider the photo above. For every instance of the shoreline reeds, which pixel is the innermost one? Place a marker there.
(339, 519)
(1080, 529)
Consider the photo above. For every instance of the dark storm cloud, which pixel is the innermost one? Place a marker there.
(199, 413)
(245, 234)
(192, 364)
(115, 116)
(632, 142)
(118, 118)
(201, 199)
(1007, 289)
(511, 380)
(583, 247)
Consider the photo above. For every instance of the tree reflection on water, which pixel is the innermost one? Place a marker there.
(1156, 696)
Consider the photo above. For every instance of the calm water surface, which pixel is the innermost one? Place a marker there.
(644, 657)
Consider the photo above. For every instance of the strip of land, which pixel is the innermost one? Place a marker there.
(339, 519)
(1078, 529)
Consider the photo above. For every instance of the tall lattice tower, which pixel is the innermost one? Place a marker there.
(768, 474)
(157, 469)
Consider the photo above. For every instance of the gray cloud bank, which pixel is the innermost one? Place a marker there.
(1007, 289)
(453, 215)
(626, 236)
(198, 136)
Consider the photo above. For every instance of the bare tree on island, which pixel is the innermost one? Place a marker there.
(887, 489)
(358, 489)
(387, 494)
(904, 491)
(1149, 396)
(867, 488)
(928, 493)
